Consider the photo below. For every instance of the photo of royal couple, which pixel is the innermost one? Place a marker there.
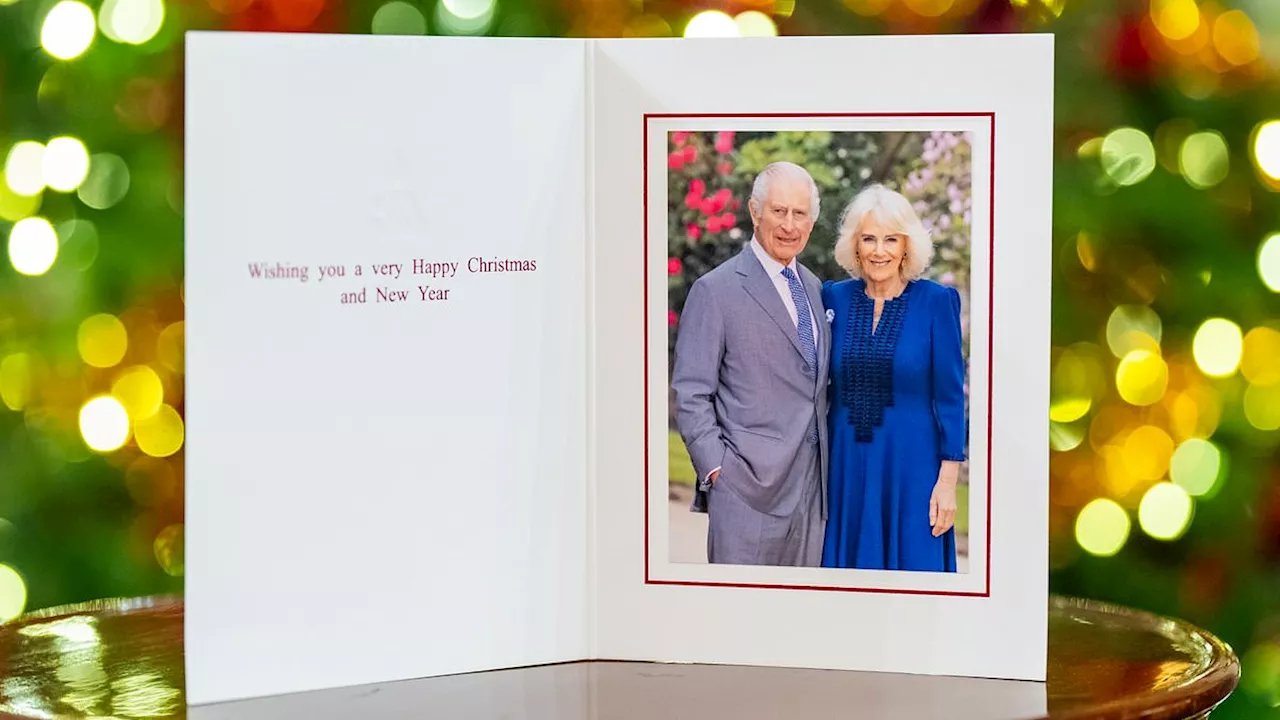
(818, 358)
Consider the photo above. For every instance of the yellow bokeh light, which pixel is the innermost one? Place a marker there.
(15, 381)
(131, 21)
(1133, 327)
(1266, 148)
(1217, 347)
(33, 246)
(1086, 251)
(1165, 511)
(1203, 159)
(1147, 452)
(1102, 527)
(161, 434)
(170, 550)
(102, 340)
(1194, 413)
(140, 390)
(1262, 406)
(1090, 148)
(104, 424)
(1065, 437)
(1196, 467)
(1071, 395)
(1236, 38)
(1175, 19)
(67, 30)
(170, 347)
(1269, 262)
(13, 594)
(14, 207)
(1128, 156)
(24, 168)
(1142, 378)
(1260, 360)
(711, 23)
(65, 164)
(930, 8)
(754, 23)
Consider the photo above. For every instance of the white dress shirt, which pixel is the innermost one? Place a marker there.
(773, 269)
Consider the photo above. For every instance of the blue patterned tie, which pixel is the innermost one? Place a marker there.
(804, 328)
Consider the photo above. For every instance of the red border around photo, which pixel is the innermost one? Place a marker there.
(986, 592)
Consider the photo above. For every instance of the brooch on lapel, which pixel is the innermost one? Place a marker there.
(831, 315)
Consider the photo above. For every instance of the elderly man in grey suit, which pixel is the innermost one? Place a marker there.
(750, 385)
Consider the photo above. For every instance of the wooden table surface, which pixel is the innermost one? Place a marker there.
(123, 659)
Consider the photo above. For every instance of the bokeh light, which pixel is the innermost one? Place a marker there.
(1269, 262)
(14, 207)
(465, 17)
(65, 164)
(1260, 359)
(868, 8)
(1262, 406)
(1260, 673)
(170, 550)
(1147, 452)
(79, 247)
(1064, 437)
(131, 21)
(1217, 347)
(140, 390)
(107, 183)
(15, 381)
(399, 18)
(1196, 467)
(1102, 527)
(1128, 156)
(104, 424)
(1203, 159)
(102, 340)
(1175, 19)
(1235, 38)
(711, 23)
(13, 594)
(33, 246)
(1165, 511)
(1142, 378)
(754, 23)
(160, 434)
(1133, 327)
(930, 8)
(24, 168)
(1266, 148)
(67, 30)
(170, 347)
(1071, 386)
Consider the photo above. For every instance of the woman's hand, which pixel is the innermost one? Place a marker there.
(942, 504)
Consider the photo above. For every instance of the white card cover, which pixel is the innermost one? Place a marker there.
(427, 332)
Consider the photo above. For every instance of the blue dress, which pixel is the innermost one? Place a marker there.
(897, 411)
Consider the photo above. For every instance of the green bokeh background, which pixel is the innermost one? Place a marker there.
(1141, 231)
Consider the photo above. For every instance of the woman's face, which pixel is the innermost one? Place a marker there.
(880, 250)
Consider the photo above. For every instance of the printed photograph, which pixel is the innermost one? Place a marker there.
(818, 348)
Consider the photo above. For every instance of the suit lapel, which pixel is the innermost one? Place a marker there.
(758, 285)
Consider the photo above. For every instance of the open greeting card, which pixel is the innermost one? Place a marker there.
(504, 352)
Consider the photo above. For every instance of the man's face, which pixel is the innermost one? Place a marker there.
(785, 219)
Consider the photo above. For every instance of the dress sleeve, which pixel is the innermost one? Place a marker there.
(948, 376)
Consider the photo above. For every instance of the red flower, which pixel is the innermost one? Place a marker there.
(690, 153)
(728, 220)
(692, 201)
(697, 187)
(737, 204)
(671, 318)
(713, 224)
(678, 138)
(724, 141)
(693, 231)
(708, 206)
(674, 266)
(675, 160)
(720, 200)
(724, 168)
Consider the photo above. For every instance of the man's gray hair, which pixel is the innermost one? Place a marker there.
(788, 170)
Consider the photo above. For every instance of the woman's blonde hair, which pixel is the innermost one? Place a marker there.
(894, 211)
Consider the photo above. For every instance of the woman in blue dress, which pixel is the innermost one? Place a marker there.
(897, 415)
